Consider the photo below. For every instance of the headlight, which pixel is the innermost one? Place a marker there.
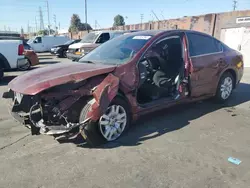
(82, 50)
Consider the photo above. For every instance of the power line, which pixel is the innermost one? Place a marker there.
(155, 15)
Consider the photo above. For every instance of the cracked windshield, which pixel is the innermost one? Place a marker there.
(124, 93)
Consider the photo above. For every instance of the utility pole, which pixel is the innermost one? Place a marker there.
(86, 15)
(36, 23)
(235, 2)
(47, 2)
(41, 19)
(59, 25)
(95, 24)
(142, 16)
(55, 22)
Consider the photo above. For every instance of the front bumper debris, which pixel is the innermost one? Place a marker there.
(27, 112)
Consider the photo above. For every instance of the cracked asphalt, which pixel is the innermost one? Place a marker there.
(182, 147)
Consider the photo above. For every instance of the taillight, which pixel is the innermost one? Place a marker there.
(20, 49)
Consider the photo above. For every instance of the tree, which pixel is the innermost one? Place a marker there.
(46, 32)
(76, 25)
(118, 20)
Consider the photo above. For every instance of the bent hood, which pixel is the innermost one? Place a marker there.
(40, 79)
(78, 45)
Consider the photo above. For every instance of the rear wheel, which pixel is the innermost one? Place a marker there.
(26, 66)
(111, 125)
(225, 87)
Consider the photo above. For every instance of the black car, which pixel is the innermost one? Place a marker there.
(60, 50)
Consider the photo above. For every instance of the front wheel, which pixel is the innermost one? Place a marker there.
(111, 125)
(225, 87)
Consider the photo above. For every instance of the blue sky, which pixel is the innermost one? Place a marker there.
(18, 13)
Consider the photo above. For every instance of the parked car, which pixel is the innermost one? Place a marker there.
(90, 42)
(126, 77)
(31, 57)
(12, 54)
(45, 43)
(60, 50)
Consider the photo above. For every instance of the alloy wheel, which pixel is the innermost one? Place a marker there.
(226, 88)
(113, 122)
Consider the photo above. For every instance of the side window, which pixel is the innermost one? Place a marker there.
(38, 39)
(202, 45)
(104, 37)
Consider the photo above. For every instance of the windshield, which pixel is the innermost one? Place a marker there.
(90, 37)
(30, 40)
(119, 50)
(69, 42)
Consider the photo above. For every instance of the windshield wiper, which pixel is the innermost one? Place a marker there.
(87, 62)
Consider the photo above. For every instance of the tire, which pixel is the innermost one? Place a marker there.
(1, 73)
(93, 133)
(62, 54)
(225, 87)
(27, 67)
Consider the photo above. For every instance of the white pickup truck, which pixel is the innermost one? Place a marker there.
(11, 55)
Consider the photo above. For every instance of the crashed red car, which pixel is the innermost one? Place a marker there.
(129, 76)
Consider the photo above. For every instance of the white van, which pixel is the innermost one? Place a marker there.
(45, 43)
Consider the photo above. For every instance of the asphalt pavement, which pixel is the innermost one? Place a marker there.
(183, 147)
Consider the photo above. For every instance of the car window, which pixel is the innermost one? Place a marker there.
(202, 45)
(38, 39)
(104, 37)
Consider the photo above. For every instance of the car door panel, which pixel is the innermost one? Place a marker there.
(206, 58)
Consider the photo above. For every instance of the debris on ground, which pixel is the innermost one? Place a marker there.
(234, 160)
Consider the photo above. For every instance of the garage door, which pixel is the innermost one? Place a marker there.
(245, 47)
(238, 39)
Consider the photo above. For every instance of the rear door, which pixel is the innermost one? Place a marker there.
(207, 58)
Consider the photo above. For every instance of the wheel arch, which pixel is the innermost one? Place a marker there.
(4, 62)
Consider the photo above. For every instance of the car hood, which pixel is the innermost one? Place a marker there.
(40, 79)
(78, 45)
(61, 45)
(90, 46)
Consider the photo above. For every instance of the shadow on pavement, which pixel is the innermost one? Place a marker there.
(43, 58)
(172, 119)
(48, 62)
(6, 79)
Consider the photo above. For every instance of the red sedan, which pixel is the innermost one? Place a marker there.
(129, 76)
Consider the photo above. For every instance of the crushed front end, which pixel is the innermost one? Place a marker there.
(53, 112)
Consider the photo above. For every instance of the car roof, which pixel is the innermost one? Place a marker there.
(155, 32)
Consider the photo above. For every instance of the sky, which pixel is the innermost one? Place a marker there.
(21, 13)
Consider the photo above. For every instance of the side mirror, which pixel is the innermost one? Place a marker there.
(34, 41)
